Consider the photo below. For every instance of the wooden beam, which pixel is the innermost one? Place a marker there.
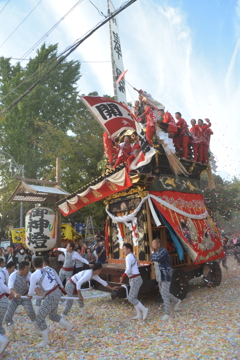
(36, 181)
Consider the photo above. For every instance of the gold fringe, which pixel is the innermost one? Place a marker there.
(211, 182)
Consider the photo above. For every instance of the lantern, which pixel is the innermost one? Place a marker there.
(40, 229)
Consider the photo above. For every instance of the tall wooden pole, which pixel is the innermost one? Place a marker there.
(58, 213)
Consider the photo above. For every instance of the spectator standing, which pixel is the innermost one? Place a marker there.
(20, 256)
(9, 255)
(50, 254)
(1, 254)
(95, 253)
(101, 252)
(89, 256)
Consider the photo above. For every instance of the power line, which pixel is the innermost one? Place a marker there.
(36, 44)
(50, 30)
(4, 6)
(99, 11)
(20, 23)
(81, 61)
(61, 57)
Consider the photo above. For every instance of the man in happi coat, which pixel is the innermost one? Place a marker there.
(70, 256)
(135, 281)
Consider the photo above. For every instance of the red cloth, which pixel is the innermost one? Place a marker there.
(205, 153)
(199, 237)
(184, 140)
(129, 161)
(207, 135)
(203, 138)
(183, 126)
(150, 131)
(204, 143)
(196, 132)
(184, 136)
(109, 147)
(150, 116)
(124, 153)
(136, 146)
(172, 127)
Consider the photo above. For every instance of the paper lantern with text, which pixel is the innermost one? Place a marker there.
(40, 229)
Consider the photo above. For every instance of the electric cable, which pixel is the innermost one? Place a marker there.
(81, 61)
(21, 23)
(4, 6)
(61, 57)
(49, 31)
(100, 12)
(36, 44)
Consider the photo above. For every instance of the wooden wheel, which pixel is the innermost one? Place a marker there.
(179, 284)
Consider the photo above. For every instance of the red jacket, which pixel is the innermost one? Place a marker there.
(196, 132)
(207, 135)
(183, 126)
(204, 140)
(168, 119)
(150, 116)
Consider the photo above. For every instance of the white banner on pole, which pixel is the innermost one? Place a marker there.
(118, 67)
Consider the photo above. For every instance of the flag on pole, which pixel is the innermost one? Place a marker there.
(145, 156)
(113, 116)
(121, 76)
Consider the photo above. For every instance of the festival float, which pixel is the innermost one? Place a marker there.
(165, 202)
(152, 191)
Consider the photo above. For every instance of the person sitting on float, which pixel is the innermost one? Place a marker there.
(124, 152)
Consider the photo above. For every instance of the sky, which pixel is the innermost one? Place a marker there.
(185, 53)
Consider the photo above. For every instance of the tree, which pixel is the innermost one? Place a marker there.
(51, 121)
(54, 99)
(223, 201)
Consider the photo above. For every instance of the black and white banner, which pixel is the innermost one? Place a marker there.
(147, 152)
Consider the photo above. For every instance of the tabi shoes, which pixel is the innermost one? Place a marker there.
(176, 307)
(4, 341)
(66, 325)
(143, 309)
(139, 314)
(45, 340)
(60, 326)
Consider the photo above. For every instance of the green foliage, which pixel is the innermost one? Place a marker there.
(222, 201)
(50, 122)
